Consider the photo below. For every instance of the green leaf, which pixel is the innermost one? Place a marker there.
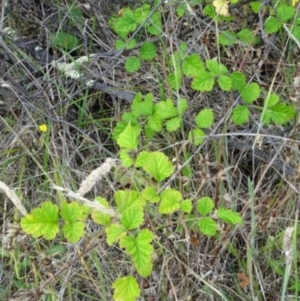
(150, 194)
(127, 161)
(132, 217)
(133, 64)
(250, 93)
(156, 26)
(99, 217)
(285, 13)
(205, 118)
(227, 38)
(42, 221)
(141, 13)
(157, 165)
(207, 226)
(143, 108)
(175, 79)
(238, 80)
(272, 25)
(70, 212)
(129, 138)
(170, 201)
(186, 206)
(131, 44)
(247, 36)
(196, 136)
(173, 124)
(282, 113)
(148, 51)
(114, 232)
(155, 123)
(181, 106)
(203, 82)
(224, 82)
(125, 24)
(73, 231)
(141, 250)
(165, 109)
(180, 10)
(240, 115)
(255, 6)
(215, 68)
(126, 199)
(192, 65)
(205, 205)
(272, 100)
(119, 44)
(65, 40)
(76, 15)
(229, 216)
(126, 289)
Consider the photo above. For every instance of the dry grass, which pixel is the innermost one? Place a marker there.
(246, 263)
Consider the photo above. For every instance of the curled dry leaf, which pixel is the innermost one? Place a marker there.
(244, 280)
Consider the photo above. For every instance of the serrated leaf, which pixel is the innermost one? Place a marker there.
(65, 40)
(238, 80)
(221, 7)
(143, 108)
(207, 226)
(131, 44)
(113, 233)
(42, 221)
(156, 25)
(203, 82)
(165, 109)
(240, 115)
(227, 38)
(125, 24)
(224, 82)
(73, 231)
(205, 118)
(150, 194)
(282, 113)
(119, 44)
(272, 100)
(142, 158)
(170, 201)
(229, 216)
(186, 206)
(155, 123)
(129, 138)
(148, 51)
(133, 64)
(132, 217)
(127, 161)
(128, 198)
(285, 13)
(99, 217)
(158, 166)
(192, 65)
(205, 205)
(250, 93)
(216, 68)
(247, 36)
(173, 124)
(70, 212)
(141, 250)
(272, 25)
(196, 136)
(126, 289)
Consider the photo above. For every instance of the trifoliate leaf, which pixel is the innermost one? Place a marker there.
(170, 201)
(207, 226)
(203, 82)
(205, 205)
(192, 65)
(42, 221)
(148, 51)
(240, 115)
(250, 93)
(196, 136)
(205, 118)
(126, 289)
(229, 216)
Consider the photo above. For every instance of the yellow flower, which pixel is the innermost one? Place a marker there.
(43, 128)
(294, 2)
